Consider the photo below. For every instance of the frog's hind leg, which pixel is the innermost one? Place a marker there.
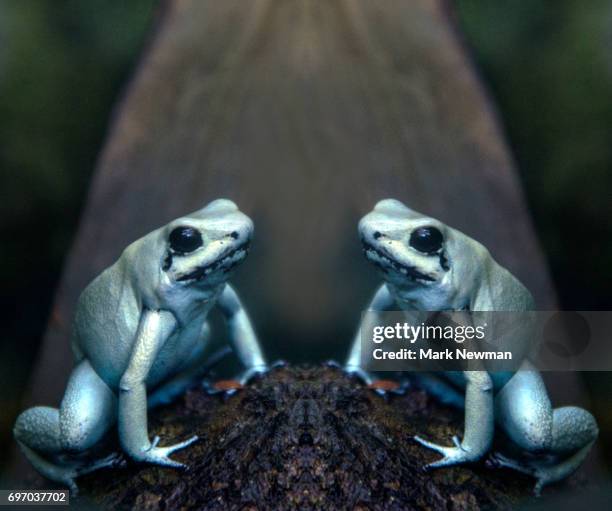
(555, 441)
(574, 433)
(48, 436)
(37, 432)
(583, 430)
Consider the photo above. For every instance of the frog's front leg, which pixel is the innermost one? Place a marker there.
(241, 334)
(382, 301)
(479, 424)
(154, 329)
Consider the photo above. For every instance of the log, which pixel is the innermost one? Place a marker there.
(306, 113)
(307, 438)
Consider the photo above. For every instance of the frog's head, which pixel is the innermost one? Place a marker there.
(204, 247)
(418, 255)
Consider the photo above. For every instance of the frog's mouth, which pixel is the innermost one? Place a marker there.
(224, 263)
(387, 262)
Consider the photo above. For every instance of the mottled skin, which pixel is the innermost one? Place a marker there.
(428, 266)
(141, 327)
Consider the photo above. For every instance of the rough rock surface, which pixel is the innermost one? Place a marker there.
(305, 438)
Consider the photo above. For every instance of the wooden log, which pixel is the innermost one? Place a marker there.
(308, 439)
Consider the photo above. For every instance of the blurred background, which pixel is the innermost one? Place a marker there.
(63, 65)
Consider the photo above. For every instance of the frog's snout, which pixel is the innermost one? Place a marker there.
(221, 206)
(242, 231)
(389, 206)
(371, 233)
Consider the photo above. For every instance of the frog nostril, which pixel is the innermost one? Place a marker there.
(167, 262)
(234, 235)
(377, 235)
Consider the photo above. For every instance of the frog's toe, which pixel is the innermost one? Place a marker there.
(333, 364)
(230, 386)
(165, 461)
(224, 388)
(227, 387)
(111, 461)
(539, 486)
(181, 445)
(403, 387)
(161, 455)
(68, 478)
(543, 477)
(386, 387)
(430, 445)
(72, 487)
(252, 373)
(450, 455)
(498, 460)
(359, 373)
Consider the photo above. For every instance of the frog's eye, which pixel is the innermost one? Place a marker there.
(185, 239)
(426, 239)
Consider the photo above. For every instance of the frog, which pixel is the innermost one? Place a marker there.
(428, 266)
(139, 337)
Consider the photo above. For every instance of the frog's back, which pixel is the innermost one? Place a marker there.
(506, 291)
(106, 320)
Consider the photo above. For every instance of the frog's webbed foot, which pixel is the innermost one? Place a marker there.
(451, 455)
(73, 469)
(540, 473)
(252, 373)
(498, 460)
(258, 371)
(113, 460)
(161, 455)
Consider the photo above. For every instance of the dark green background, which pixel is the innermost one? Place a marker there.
(548, 66)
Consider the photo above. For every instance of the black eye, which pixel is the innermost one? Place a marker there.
(426, 239)
(185, 239)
